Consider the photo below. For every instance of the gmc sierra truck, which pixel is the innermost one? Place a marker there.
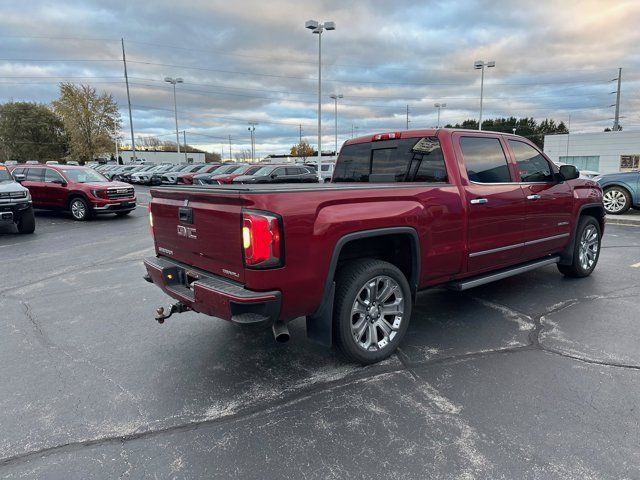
(405, 211)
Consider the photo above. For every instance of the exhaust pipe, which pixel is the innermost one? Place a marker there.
(280, 332)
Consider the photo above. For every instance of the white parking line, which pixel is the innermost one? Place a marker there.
(636, 265)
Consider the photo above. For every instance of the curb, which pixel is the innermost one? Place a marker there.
(628, 220)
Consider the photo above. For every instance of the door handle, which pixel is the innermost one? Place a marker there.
(533, 197)
(477, 201)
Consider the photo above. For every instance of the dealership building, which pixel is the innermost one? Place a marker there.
(153, 156)
(604, 152)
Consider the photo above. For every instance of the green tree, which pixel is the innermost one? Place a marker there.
(92, 120)
(30, 131)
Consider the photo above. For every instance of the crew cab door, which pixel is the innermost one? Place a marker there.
(549, 201)
(55, 189)
(495, 203)
(34, 181)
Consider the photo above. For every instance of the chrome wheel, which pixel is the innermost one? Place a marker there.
(589, 245)
(614, 200)
(78, 209)
(377, 313)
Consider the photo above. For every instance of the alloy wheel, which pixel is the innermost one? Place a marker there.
(614, 200)
(589, 245)
(78, 209)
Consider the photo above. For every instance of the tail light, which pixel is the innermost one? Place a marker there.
(262, 239)
(386, 136)
(150, 220)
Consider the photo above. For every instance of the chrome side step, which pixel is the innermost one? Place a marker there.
(468, 283)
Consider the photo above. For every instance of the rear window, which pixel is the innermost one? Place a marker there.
(405, 160)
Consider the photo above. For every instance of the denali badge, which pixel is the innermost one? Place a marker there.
(165, 250)
(187, 232)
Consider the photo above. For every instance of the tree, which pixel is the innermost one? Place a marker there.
(302, 149)
(243, 155)
(91, 120)
(30, 131)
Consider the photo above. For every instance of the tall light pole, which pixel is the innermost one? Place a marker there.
(335, 97)
(439, 106)
(479, 65)
(174, 81)
(252, 129)
(318, 28)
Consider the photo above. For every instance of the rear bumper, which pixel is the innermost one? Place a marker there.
(212, 295)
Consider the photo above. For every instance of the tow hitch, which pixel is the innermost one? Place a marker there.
(177, 307)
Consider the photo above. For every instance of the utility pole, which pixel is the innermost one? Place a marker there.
(184, 136)
(252, 131)
(300, 134)
(126, 80)
(407, 117)
(616, 119)
(229, 147)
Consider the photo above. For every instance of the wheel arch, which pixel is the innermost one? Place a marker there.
(595, 210)
(319, 324)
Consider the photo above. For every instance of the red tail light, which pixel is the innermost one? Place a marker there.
(262, 239)
(150, 220)
(386, 136)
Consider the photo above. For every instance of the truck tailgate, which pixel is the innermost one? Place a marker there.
(200, 229)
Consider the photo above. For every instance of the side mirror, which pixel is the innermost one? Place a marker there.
(273, 175)
(569, 172)
(60, 182)
(19, 177)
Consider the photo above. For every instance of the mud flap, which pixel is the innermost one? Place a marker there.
(320, 324)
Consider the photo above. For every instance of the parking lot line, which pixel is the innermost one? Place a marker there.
(636, 265)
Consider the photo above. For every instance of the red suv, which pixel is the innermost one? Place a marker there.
(79, 190)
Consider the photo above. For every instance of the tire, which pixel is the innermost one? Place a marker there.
(123, 214)
(79, 209)
(586, 249)
(379, 334)
(616, 200)
(27, 222)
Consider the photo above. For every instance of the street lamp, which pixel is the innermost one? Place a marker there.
(318, 28)
(252, 129)
(439, 106)
(174, 81)
(335, 97)
(479, 65)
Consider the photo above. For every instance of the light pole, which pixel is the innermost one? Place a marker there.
(479, 65)
(439, 106)
(335, 97)
(174, 81)
(318, 28)
(252, 129)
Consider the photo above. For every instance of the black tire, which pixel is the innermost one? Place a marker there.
(351, 282)
(27, 222)
(617, 200)
(82, 211)
(578, 267)
(123, 214)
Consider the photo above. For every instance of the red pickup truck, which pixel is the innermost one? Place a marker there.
(405, 211)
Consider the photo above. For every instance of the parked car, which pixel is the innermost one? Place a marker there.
(187, 178)
(126, 176)
(280, 174)
(621, 191)
(171, 178)
(118, 174)
(242, 170)
(156, 178)
(205, 178)
(146, 177)
(80, 190)
(15, 203)
(327, 169)
(406, 211)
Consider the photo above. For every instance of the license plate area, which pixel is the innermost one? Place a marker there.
(6, 216)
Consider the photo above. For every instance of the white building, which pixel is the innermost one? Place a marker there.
(150, 156)
(604, 152)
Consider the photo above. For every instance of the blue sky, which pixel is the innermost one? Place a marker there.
(254, 61)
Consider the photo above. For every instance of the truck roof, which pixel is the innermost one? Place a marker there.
(423, 132)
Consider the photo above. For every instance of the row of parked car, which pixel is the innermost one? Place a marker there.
(213, 173)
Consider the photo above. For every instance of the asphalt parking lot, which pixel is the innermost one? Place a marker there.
(537, 376)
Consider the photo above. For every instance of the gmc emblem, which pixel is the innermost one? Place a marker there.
(187, 232)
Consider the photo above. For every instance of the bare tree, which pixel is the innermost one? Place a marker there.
(243, 155)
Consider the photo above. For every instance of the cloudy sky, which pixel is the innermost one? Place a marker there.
(251, 60)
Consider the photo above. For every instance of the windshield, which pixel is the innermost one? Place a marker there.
(5, 176)
(252, 170)
(83, 175)
(264, 171)
(226, 169)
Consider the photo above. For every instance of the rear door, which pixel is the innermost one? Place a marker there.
(34, 181)
(549, 203)
(495, 203)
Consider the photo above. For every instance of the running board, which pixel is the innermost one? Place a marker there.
(500, 274)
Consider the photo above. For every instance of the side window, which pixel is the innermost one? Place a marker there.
(18, 171)
(280, 172)
(35, 175)
(51, 175)
(485, 160)
(293, 171)
(532, 166)
(431, 167)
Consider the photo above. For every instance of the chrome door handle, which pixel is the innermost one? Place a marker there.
(533, 197)
(477, 201)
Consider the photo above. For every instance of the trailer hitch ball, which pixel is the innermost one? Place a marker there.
(177, 307)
